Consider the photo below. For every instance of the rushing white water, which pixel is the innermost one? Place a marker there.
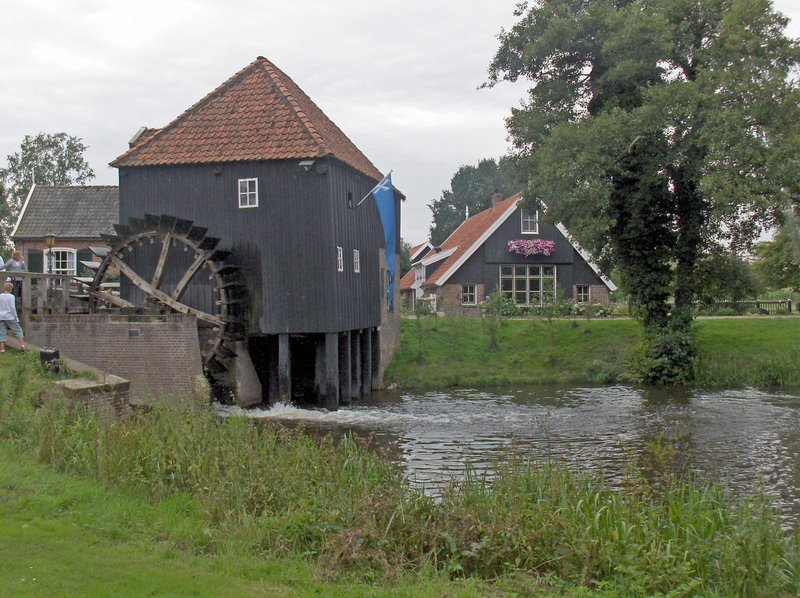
(747, 439)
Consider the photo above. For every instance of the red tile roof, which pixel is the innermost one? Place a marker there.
(468, 234)
(407, 280)
(258, 114)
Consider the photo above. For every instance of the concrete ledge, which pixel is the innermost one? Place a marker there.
(110, 394)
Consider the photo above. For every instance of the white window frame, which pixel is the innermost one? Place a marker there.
(339, 259)
(71, 259)
(588, 294)
(248, 197)
(521, 277)
(529, 225)
(356, 261)
(419, 274)
(467, 293)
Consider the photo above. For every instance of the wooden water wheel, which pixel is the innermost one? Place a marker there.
(161, 261)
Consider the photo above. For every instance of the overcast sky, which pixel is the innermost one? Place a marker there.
(399, 78)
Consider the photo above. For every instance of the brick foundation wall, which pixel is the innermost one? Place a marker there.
(390, 324)
(160, 355)
(599, 293)
(449, 301)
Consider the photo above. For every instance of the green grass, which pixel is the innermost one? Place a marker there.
(63, 535)
(757, 351)
(733, 352)
(177, 502)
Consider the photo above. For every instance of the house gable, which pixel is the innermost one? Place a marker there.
(484, 246)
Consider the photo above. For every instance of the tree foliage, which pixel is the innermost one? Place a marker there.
(472, 187)
(777, 263)
(405, 258)
(44, 159)
(656, 130)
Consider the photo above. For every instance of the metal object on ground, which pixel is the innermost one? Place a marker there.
(50, 357)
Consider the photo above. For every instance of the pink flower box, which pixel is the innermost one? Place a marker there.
(530, 247)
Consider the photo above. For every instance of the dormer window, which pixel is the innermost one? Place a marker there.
(248, 193)
(530, 222)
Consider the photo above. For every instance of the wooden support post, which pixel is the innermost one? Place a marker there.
(366, 363)
(345, 365)
(25, 316)
(376, 358)
(65, 284)
(355, 364)
(273, 386)
(330, 396)
(284, 369)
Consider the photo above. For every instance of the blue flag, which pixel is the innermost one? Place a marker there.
(384, 199)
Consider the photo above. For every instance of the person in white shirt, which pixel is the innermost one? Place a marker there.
(9, 319)
(16, 264)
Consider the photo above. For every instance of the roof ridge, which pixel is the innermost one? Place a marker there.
(273, 72)
(40, 186)
(198, 104)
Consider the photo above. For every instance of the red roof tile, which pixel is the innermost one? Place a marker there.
(468, 234)
(258, 114)
(407, 280)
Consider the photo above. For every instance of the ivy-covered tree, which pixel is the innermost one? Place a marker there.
(655, 130)
(44, 159)
(472, 188)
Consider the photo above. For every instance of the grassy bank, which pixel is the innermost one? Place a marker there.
(279, 512)
(468, 352)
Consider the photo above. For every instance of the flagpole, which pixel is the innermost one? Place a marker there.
(373, 189)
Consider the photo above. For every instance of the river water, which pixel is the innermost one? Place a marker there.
(746, 439)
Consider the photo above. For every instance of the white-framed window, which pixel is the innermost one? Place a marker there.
(530, 222)
(339, 259)
(419, 274)
(356, 261)
(60, 260)
(582, 294)
(468, 296)
(248, 193)
(528, 285)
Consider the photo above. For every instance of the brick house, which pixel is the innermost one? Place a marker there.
(507, 249)
(77, 217)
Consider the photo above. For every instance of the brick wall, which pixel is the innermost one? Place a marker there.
(160, 355)
(599, 293)
(449, 301)
(390, 324)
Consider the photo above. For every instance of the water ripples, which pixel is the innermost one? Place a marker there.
(745, 438)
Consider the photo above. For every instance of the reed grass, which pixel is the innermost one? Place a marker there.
(272, 493)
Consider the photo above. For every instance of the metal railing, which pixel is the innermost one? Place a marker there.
(782, 306)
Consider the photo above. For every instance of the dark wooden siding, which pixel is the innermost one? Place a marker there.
(286, 245)
(483, 266)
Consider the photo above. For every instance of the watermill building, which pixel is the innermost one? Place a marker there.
(244, 212)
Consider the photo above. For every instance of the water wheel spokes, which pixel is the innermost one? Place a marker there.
(147, 253)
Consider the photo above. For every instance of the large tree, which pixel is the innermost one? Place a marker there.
(654, 130)
(471, 189)
(44, 159)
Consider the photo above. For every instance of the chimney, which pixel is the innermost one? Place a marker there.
(496, 198)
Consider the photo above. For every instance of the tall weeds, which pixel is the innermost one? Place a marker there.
(277, 492)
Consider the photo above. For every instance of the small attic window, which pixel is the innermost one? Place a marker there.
(248, 193)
